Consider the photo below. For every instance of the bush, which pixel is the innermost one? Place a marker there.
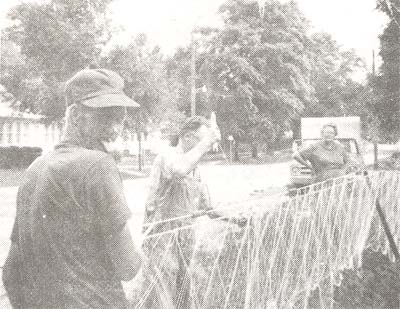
(375, 285)
(18, 157)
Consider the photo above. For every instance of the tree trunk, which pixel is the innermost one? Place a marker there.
(139, 135)
(254, 151)
(236, 152)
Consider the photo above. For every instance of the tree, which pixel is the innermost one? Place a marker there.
(144, 71)
(11, 66)
(255, 70)
(145, 74)
(387, 108)
(332, 69)
(58, 38)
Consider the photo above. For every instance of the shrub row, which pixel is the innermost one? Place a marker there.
(18, 157)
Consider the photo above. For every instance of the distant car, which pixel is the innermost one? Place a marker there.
(301, 175)
(390, 163)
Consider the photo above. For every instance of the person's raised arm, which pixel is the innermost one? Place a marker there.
(189, 160)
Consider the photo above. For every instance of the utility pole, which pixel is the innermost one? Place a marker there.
(374, 137)
(1, 47)
(139, 135)
(193, 78)
(373, 63)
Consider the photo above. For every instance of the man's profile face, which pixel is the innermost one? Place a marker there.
(105, 124)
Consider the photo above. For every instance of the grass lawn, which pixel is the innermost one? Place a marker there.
(11, 178)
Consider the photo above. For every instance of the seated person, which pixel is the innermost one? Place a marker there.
(327, 157)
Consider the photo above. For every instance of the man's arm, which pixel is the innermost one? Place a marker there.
(106, 197)
(12, 268)
(189, 160)
(11, 277)
(124, 255)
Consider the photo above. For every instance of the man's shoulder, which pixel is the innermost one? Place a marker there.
(80, 155)
(74, 160)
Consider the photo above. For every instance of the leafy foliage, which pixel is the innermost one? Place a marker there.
(336, 93)
(255, 72)
(259, 72)
(57, 38)
(145, 75)
(387, 85)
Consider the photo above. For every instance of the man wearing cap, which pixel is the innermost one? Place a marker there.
(71, 246)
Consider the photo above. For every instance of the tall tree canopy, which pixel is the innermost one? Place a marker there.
(144, 71)
(58, 38)
(262, 72)
(332, 69)
(256, 70)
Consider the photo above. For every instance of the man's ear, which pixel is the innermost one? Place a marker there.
(75, 115)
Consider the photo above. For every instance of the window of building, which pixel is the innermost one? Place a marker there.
(10, 132)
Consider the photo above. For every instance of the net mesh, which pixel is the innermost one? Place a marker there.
(286, 249)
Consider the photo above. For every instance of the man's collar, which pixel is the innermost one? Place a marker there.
(79, 142)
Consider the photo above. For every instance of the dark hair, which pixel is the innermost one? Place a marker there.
(193, 124)
(331, 125)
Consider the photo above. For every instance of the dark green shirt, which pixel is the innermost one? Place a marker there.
(70, 200)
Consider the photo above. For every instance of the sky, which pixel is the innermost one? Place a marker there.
(354, 24)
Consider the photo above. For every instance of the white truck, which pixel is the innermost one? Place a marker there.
(349, 134)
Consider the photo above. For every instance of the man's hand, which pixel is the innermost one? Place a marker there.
(213, 214)
(212, 136)
(240, 221)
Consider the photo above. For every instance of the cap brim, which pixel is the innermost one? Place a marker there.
(109, 100)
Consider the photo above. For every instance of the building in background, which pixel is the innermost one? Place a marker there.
(23, 129)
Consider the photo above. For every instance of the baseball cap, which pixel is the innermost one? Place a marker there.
(97, 88)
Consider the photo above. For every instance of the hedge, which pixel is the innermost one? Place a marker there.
(18, 157)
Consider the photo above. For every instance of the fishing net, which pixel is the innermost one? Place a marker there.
(287, 248)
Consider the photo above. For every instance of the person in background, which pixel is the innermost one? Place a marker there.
(176, 191)
(71, 246)
(327, 157)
